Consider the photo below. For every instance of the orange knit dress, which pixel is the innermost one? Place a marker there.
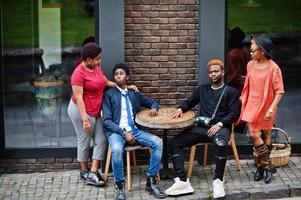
(256, 83)
(258, 93)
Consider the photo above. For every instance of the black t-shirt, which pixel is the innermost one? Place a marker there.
(207, 99)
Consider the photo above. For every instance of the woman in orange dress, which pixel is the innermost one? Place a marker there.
(263, 90)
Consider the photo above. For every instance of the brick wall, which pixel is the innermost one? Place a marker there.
(37, 165)
(161, 47)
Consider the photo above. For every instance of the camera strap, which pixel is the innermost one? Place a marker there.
(219, 101)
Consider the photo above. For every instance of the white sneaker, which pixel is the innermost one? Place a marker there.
(218, 188)
(179, 187)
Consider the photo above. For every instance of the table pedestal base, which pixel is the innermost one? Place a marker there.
(165, 172)
(164, 122)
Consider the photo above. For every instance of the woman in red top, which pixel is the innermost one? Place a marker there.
(88, 84)
(237, 59)
(263, 90)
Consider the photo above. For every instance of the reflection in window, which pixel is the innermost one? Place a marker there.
(280, 20)
(41, 42)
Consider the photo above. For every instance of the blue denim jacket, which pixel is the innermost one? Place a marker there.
(111, 108)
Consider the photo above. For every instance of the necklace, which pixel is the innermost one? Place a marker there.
(216, 88)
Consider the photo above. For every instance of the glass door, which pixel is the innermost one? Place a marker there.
(279, 20)
(41, 42)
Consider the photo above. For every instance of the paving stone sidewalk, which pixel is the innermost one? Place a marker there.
(238, 184)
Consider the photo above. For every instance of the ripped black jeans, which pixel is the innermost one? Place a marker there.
(196, 135)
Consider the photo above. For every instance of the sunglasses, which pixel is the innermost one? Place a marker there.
(253, 50)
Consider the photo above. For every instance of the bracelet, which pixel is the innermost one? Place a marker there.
(220, 124)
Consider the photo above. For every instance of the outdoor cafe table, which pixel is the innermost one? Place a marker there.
(165, 122)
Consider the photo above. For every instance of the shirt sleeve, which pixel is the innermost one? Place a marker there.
(107, 111)
(191, 101)
(148, 102)
(230, 64)
(77, 78)
(277, 81)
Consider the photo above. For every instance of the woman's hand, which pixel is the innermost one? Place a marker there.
(268, 116)
(133, 87)
(153, 112)
(87, 126)
(177, 113)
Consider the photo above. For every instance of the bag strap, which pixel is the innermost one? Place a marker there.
(219, 101)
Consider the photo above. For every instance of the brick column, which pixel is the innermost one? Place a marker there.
(161, 47)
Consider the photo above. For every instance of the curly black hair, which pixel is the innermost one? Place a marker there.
(90, 50)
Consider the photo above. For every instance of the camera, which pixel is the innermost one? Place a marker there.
(203, 121)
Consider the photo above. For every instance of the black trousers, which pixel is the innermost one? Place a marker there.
(192, 136)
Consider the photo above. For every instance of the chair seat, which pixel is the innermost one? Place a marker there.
(128, 150)
(193, 149)
(132, 147)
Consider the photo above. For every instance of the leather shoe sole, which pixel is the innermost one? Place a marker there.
(158, 196)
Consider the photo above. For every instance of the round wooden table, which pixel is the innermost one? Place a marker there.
(165, 122)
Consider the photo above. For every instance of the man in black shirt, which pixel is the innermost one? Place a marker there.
(217, 131)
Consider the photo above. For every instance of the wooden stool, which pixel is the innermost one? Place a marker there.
(193, 148)
(128, 149)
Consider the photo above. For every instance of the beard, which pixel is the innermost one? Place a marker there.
(217, 81)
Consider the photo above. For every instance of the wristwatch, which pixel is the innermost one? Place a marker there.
(220, 124)
(270, 110)
(123, 134)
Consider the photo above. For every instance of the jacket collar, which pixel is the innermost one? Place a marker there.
(121, 90)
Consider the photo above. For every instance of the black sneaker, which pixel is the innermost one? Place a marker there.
(83, 174)
(119, 191)
(95, 179)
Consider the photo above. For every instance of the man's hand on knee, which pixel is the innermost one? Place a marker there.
(129, 138)
(213, 130)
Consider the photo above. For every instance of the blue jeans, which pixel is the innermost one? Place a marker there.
(117, 143)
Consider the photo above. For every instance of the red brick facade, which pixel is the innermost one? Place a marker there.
(161, 47)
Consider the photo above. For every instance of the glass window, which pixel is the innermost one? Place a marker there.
(280, 20)
(41, 42)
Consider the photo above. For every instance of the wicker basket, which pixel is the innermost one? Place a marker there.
(280, 153)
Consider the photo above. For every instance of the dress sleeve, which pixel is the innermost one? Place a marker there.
(249, 66)
(277, 81)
